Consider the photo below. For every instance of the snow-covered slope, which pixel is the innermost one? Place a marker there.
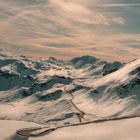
(58, 93)
(123, 129)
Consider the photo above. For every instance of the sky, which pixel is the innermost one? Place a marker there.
(107, 29)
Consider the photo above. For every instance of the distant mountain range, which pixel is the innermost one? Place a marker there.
(58, 92)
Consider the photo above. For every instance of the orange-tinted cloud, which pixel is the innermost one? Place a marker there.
(69, 28)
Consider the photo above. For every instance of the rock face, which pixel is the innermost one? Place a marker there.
(111, 67)
(79, 62)
(53, 91)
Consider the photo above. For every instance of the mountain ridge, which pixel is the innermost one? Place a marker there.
(59, 89)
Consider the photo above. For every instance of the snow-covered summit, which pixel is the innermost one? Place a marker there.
(79, 62)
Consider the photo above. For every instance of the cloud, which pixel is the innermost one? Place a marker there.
(68, 28)
(119, 20)
(122, 5)
(77, 12)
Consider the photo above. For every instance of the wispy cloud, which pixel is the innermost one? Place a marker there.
(119, 20)
(122, 5)
(58, 27)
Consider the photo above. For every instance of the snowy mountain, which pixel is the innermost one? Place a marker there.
(58, 93)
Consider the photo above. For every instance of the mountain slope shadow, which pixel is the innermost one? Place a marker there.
(16, 137)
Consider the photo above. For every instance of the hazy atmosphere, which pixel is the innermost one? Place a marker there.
(108, 29)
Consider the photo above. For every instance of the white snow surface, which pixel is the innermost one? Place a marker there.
(115, 130)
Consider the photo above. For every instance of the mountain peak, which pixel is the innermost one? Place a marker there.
(83, 60)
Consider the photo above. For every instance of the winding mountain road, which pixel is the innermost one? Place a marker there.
(37, 132)
(41, 131)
